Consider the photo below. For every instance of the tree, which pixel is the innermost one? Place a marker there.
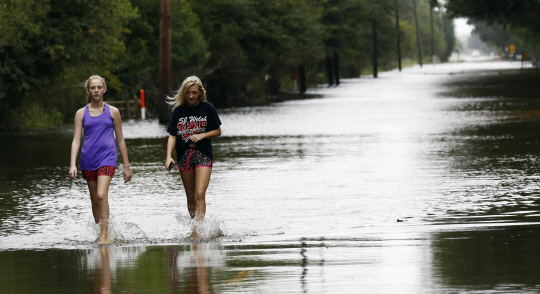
(137, 66)
(518, 17)
(449, 37)
(59, 42)
(254, 43)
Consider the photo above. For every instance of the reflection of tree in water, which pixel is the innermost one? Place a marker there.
(180, 269)
(304, 266)
(499, 86)
(304, 246)
(488, 259)
(493, 158)
(495, 169)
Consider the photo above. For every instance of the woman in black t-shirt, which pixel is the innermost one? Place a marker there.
(193, 123)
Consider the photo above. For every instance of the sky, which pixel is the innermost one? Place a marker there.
(461, 28)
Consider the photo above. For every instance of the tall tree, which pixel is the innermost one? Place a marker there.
(419, 48)
(519, 17)
(164, 58)
(449, 37)
(254, 43)
(398, 35)
(55, 42)
(138, 66)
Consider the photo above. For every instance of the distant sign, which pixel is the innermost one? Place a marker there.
(524, 57)
(512, 48)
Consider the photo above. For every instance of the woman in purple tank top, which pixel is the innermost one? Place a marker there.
(101, 123)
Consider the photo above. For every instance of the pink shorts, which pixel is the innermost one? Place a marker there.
(91, 175)
(193, 159)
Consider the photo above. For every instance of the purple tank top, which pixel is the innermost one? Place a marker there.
(99, 146)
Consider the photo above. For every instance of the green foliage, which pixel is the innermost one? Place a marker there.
(408, 39)
(245, 51)
(494, 34)
(19, 19)
(519, 18)
(137, 67)
(518, 13)
(448, 30)
(54, 43)
(36, 116)
(256, 40)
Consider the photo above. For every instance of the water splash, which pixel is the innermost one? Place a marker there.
(208, 231)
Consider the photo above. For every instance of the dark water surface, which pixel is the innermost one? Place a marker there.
(424, 181)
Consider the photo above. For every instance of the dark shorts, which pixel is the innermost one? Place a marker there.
(193, 159)
(91, 175)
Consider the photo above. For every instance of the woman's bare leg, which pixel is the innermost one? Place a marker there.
(202, 179)
(99, 195)
(188, 180)
(195, 184)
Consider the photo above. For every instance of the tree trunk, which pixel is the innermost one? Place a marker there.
(164, 60)
(417, 35)
(398, 37)
(329, 71)
(432, 35)
(375, 57)
(336, 68)
(302, 78)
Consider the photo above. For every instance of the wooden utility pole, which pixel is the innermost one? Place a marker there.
(375, 57)
(330, 71)
(336, 68)
(432, 35)
(417, 34)
(398, 37)
(164, 59)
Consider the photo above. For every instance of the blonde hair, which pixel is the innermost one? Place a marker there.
(180, 97)
(87, 86)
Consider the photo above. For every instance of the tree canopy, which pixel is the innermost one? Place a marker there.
(500, 22)
(243, 50)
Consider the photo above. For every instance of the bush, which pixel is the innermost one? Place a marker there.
(35, 116)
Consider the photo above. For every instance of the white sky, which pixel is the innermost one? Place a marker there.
(461, 28)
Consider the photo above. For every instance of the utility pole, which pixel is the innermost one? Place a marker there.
(164, 59)
(330, 70)
(431, 6)
(375, 57)
(417, 34)
(398, 36)
(374, 13)
(336, 68)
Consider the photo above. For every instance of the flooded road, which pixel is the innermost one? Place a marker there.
(424, 181)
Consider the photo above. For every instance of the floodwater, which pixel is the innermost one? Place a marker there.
(424, 181)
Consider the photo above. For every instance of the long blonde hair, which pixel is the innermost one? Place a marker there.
(87, 86)
(180, 97)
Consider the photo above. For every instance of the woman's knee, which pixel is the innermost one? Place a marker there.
(190, 194)
(200, 195)
(99, 197)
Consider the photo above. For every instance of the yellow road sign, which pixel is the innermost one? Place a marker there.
(512, 48)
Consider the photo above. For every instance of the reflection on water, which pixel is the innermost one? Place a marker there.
(504, 259)
(102, 273)
(390, 184)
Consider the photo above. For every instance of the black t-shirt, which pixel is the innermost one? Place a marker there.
(186, 120)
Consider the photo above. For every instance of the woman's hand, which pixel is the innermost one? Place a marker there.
(127, 174)
(73, 172)
(196, 137)
(168, 162)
